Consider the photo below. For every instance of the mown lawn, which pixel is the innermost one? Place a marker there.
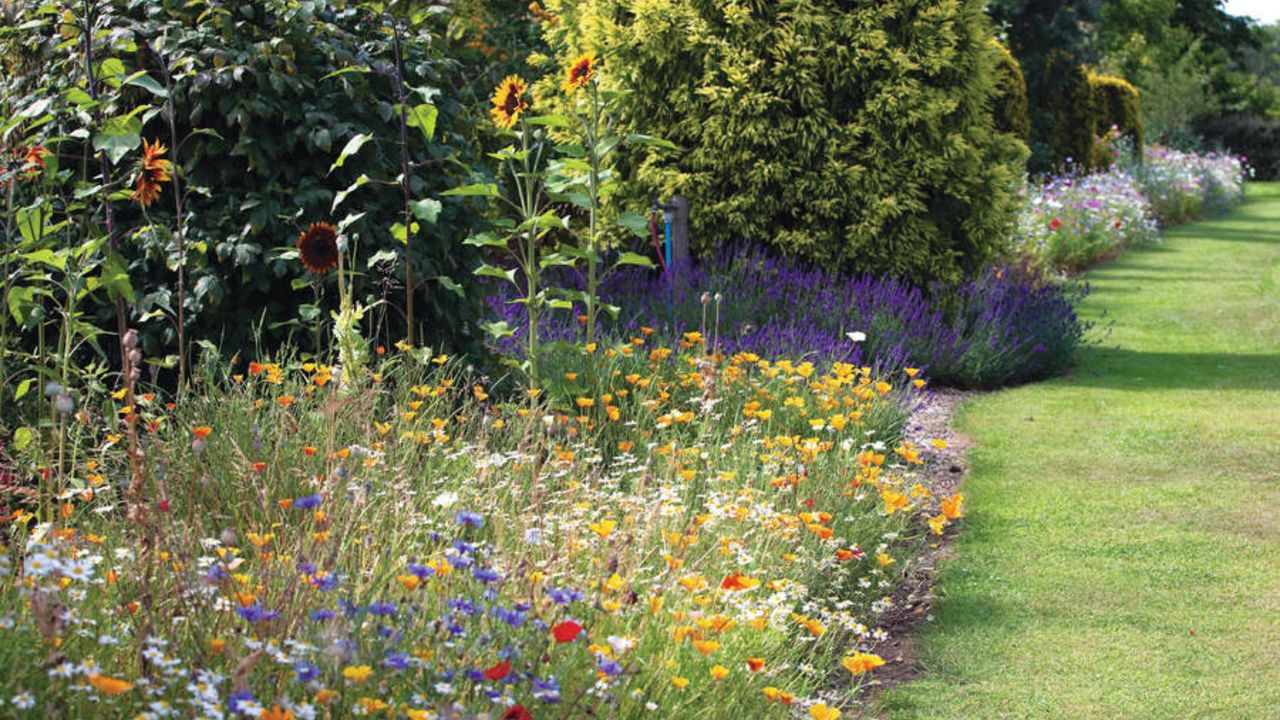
(1121, 558)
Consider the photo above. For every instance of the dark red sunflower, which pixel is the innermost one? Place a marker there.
(318, 248)
(153, 172)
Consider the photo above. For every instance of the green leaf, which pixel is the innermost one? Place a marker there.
(451, 286)
(345, 70)
(22, 437)
(118, 137)
(19, 300)
(498, 329)
(485, 239)
(491, 271)
(556, 120)
(427, 210)
(423, 117)
(111, 71)
(341, 197)
(398, 232)
(55, 260)
(143, 80)
(23, 387)
(115, 277)
(78, 97)
(351, 148)
(382, 256)
(630, 258)
(635, 222)
(473, 190)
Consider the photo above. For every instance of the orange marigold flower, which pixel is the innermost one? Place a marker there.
(580, 72)
(153, 171)
(110, 685)
(201, 431)
(508, 101)
(318, 248)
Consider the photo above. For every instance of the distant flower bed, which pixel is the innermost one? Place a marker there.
(1184, 186)
(1004, 327)
(1073, 220)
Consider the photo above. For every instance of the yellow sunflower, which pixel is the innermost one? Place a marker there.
(580, 72)
(508, 101)
(318, 248)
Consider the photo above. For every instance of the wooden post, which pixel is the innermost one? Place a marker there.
(680, 232)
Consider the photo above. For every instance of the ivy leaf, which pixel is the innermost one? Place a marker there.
(485, 239)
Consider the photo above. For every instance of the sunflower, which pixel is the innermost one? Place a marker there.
(508, 101)
(32, 160)
(318, 248)
(581, 72)
(154, 171)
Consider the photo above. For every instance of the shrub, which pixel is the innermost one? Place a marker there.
(1071, 221)
(855, 135)
(1068, 114)
(1010, 101)
(1117, 106)
(1000, 328)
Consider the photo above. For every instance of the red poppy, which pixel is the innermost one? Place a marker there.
(1055, 224)
(517, 712)
(499, 671)
(566, 631)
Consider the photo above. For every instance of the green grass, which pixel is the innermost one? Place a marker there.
(1121, 558)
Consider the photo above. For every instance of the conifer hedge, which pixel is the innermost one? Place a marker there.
(857, 134)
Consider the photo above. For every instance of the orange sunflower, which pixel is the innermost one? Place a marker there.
(318, 248)
(32, 160)
(508, 101)
(581, 72)
(154, 171)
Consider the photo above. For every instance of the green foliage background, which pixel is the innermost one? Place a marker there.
(856, 134)
(257, 81)
(1010, 101)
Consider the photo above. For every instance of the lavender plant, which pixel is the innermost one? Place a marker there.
(1002, 327)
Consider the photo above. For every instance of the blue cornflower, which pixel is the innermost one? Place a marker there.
(422, 571)
(548, 691)
(323, 615)
(307, 502)
(564, 596)
(396, 661)
(469, 518)
(255, 613)
(486, 575)
(384, 609)
(306, 671)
